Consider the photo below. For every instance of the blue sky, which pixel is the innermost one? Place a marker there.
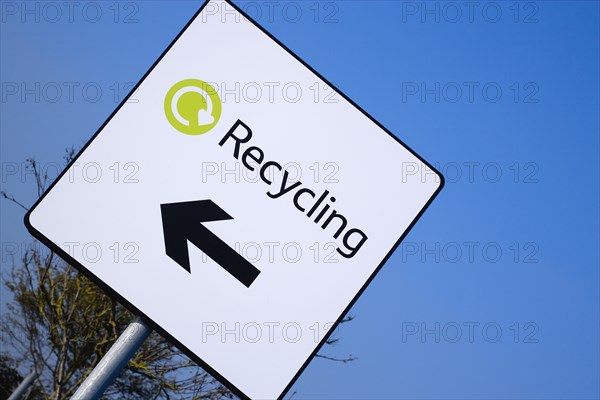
(495, 292)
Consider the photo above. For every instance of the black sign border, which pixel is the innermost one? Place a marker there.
(38, 235)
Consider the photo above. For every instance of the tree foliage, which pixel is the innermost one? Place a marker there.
(61, 324)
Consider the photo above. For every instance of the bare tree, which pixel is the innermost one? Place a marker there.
(61, 324)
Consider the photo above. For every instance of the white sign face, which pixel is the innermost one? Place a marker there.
(237, 202)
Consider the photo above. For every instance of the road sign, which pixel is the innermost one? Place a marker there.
(238, 201)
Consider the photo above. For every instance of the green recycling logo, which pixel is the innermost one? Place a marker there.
(192, 106)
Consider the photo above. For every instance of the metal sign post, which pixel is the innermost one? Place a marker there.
(24, 386)
(113, 362)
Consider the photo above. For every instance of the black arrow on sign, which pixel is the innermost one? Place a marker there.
(182, 222)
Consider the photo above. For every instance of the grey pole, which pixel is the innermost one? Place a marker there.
(113, 362)
(24, 386)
